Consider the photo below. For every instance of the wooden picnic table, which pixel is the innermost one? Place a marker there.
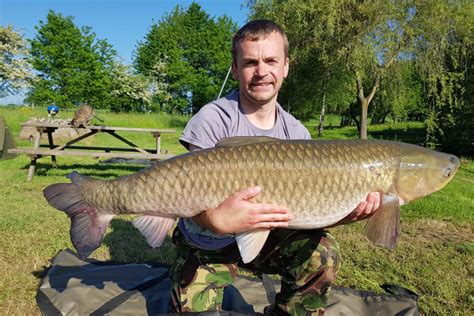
(67, 149)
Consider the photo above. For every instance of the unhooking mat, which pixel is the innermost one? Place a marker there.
(77, 287)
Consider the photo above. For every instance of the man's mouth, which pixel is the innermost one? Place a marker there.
(260, 84)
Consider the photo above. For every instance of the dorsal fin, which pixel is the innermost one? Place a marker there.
(244, 140)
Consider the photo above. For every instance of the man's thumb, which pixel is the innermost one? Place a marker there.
(249, 193)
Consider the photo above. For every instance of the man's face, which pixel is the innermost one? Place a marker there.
(260, 67)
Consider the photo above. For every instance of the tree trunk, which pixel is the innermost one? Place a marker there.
(323, 108)
(354, 114)
(364, 102)
(321, 115)
(363, 119)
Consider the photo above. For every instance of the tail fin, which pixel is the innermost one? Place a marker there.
(87, 225)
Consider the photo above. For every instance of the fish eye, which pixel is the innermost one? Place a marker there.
(447, 172)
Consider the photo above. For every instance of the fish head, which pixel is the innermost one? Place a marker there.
(423, 171)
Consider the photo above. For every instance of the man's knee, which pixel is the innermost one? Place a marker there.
(206, 289)
(329, 253)
(324, 262)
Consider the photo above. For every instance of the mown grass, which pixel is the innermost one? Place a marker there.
(434, 257)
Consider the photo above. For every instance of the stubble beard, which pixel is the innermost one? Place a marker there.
(255, 94)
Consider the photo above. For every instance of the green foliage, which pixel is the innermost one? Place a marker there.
(344, 40)
(15, 70)
(399, 98)
(446, 68)
(130, 92)
(73, 66)
(366, 46)
(188, 55)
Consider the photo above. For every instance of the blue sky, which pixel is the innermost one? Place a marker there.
(121, 22)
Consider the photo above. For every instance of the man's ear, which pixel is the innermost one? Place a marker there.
(235, 71)
(287, 67)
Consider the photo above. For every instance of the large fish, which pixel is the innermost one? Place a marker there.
(320, 181)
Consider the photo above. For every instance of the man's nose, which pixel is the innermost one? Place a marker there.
(261, 70)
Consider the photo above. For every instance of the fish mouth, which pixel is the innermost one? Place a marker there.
(455, 163)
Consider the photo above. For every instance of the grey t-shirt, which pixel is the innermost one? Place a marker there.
(215, 121)
(223, 118)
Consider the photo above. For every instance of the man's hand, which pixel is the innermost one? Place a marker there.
(237, 214)
(364, 210)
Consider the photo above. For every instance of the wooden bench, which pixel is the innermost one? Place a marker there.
(68, 149)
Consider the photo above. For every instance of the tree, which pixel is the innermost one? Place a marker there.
(317, 81)
(192, 52)
(400, 97)
(368, 37)
(73, 65)
(15, 70)
(445, 57)
(130, 92)
(454, 131)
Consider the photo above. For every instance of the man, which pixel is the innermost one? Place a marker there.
(208, 256)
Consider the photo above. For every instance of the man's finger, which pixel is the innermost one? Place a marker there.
(271, 209)
(377, 199)
(270, 225)
(248, 193)
(360, 209)
(285, 217)
(368, 208)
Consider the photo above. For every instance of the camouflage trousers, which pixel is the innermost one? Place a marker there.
(306, 260)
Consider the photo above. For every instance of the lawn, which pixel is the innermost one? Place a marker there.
(434, 257)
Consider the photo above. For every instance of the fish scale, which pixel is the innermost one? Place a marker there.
(321, 182)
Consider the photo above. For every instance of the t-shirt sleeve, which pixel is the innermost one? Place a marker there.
(305, 133)
(206, 128)
(296, 129)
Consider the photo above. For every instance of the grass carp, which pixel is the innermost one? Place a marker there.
(320, 181)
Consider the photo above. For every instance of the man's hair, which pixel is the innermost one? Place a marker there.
(255, 30)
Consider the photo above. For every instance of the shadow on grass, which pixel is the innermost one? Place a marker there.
(126, 244)
(104, 170)
(41, 273)
(412, 135)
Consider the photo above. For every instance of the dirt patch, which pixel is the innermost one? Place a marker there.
(422, 233)
(431, 231)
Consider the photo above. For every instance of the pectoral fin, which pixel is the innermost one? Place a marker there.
(154, 228)
(250, 243)
(383, 228)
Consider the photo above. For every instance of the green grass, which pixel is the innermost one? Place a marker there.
(434, 257)
(409, 132)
